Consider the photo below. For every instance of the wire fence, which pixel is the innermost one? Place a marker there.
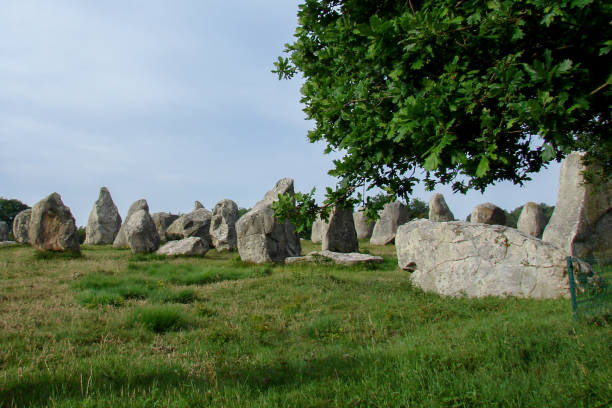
(591, 296)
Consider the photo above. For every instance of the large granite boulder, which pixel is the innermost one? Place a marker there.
(340, 234)
(363, 225)
(392, 216)
(192, 246)
(438, 209)
(21, 226)
(318, 227)
(465, 259)
(580, 223)
(52, 226)
(223, 225)
(121, 240)
(194, 224)
(488, 213)
(263, 238)
(141, 234)
(4, 231)
(104, 220)
(162, 221)
(532, 220)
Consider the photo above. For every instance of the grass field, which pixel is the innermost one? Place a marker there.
(110, 329)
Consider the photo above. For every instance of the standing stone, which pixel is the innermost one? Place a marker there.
(162, 221)
(340, 234)
(104, 220)
(392, 216)
(197, 205)
(194, 224)
(223, 226)
(580, 223)
(263, 238)
(438, 210)
(318, 227)
(141, 234)
(4, 231)
(532, 220)
(21, 226)
(363, 225)
(52, 226)
(488, 213)
(121, 240)
(475, 260)
(192, 246)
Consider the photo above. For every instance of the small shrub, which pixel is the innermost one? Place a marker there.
(159, 319)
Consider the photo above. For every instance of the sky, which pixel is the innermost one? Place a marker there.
(171, 101)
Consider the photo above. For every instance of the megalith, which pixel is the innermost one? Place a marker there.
(438, 209)
(142, 236)
(104, 220)
(21, 226)
(392, 216)
(162, 221)
(52, 226)
(339, 234)
(223, 225)
(4, 231)
(532, 220)
(363, 225)
(193, 224)
(121, 240)
(488, 213)
(318, 227)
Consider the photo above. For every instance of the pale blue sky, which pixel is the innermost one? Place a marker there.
(172, 101)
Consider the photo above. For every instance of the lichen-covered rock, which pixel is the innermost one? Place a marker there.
(121, 240)
(52, 226)
(21, 226)
(4, 231)
(580, 223)
(192, 246)
(318, 227)
(339, 235)
(141, 234)
(532, 220)
(162, 221)
(438, 209)
(104, 220)
(392, 216)
(363, 225)
(465, 259)
(339, 258)
(223, 225)
(488, 213)
(194, 224)
(263, 238)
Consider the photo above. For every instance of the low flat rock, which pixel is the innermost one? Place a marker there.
(338, 258)
(21, 225)
(475, 260)
(194, 224)
(192, 246)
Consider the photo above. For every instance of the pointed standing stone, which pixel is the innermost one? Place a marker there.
(438, 209)
(104, 220)
(121, 240)
(391, 217)
(531, 221)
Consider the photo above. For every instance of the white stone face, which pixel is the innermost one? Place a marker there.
(192, 246)
(223, 225)
(391, 217)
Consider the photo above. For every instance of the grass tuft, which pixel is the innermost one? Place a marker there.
(159, 318)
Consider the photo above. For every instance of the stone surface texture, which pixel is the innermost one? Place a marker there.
(4, 231)
(340, 234)
(194, 224)
(223, 226)
(318, 227)
(263, 238)
(162, 221)
(141, 234)
(580, 223)
(338, 258)
(192, 246)
(363, 225)
(392, 216)
(438, 209)
(21, 226)
(476, 260)
(532, 220)
(121, 240)
(197, 205)
(488, 213)
(52, 226)
(104, 220)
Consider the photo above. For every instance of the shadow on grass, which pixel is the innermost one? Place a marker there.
(57, 255)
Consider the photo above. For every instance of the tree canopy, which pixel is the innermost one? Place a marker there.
(9, 208)
(466, 93)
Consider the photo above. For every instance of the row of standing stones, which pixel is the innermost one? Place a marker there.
(477, 258)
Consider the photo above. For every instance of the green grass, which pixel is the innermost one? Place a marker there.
(108, 329)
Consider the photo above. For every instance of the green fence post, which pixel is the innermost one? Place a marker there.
(572, 284)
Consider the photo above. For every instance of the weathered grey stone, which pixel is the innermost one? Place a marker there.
(488, 213)
(162, 221)
(465, 259)
(580, 222)
(52, 226)
(532, 220)
(363, 225)
(192, 246)
(197, 205)
(438, 210)
(8, 243)
(121, 240)
(104, 220)
(141, 234)
(338, 258)
(4, 231)
(21, 226)
(261, 237)
(340, 234)
(223, 226)
(194, 224)
(392, 216)
(318, 227)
